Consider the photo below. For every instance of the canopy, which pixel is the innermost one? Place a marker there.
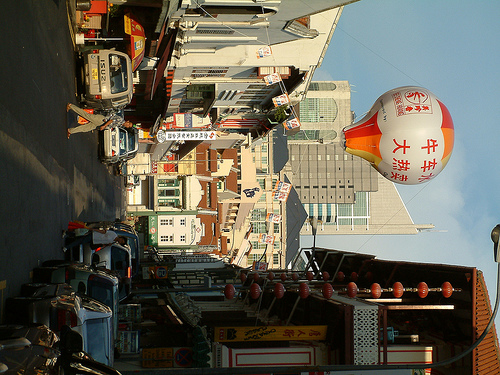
(137, 39)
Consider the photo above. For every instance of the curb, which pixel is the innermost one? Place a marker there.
(71, 11)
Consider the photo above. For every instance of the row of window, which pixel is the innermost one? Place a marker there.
(170, 222)
(170, 238)
(257, 257)
(320, 157)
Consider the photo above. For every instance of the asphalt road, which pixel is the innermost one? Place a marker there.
(46, 179)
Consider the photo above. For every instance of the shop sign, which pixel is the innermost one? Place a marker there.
(270, 333)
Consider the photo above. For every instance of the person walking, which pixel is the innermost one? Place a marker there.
(97, 237)
(95, 121)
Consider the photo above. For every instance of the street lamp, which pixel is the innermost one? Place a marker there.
(495, 235)
(314, 228)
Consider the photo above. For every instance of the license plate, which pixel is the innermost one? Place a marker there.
(95, 73)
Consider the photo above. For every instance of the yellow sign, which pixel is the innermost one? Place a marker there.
(270, 333)
(157, 357)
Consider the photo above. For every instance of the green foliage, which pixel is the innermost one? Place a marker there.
(281, 113)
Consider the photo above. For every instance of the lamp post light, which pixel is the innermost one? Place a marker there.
(495, 236)
(314, 228)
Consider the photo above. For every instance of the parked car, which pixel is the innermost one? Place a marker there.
(117, 144)
(57, 305)
(99, 284)
(108, 79)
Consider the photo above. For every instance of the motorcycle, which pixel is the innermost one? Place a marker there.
(38, 350)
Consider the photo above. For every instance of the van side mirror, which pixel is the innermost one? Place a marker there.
(71, 341)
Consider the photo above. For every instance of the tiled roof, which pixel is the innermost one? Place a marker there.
(486, 356)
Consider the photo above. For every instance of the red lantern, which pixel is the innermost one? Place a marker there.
(255, 291)
(423, 290)
(270, 276)
(369, 276)
(326, 276)
(352, 289)
(446, 289)
(303, 290)
(309, 276)
(327, 290)
(376, 290)
(279, 290)
(229, 291)
(243, 277)
(295, 276)
(397, 289)
(354, 276)
(340, 276)
(256, 276)
(283, 277)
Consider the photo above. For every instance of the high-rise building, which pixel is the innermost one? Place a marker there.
(343, 191)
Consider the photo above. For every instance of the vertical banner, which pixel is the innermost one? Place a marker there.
(273, 218)
(272, 79)
(292, 123)
(264, 52)
(281, 191)
(266, 238)
(281, 100)
(259, 266)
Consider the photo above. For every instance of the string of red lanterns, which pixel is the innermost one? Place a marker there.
(327, 290)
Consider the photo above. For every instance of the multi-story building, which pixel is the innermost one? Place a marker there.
(220, 52)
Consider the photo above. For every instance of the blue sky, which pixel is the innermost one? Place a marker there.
(452, 49)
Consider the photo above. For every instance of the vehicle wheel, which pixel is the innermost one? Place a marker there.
(43, 274)
(27, 290)
(55, 262)
(7, 330)
(17, 310)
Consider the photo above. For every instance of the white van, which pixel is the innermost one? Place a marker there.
(112, 257)
(108, 79)
(117, 144)
(56, 305)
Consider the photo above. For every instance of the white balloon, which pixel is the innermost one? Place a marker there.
(407, 135)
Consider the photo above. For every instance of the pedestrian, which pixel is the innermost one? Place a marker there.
(95, 121)
(97, 237)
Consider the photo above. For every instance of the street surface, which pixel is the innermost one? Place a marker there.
(46, 179)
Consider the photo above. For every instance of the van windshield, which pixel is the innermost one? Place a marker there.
(97, 340)
(127, 141)
(120, 261)
(102, 291)
(119, 74)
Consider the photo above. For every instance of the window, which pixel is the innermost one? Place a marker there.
(354, 214)
(276, 259)
(182, 222)
(209, 72)
(318, 110)
(166, 222)
(322, 86)
(214, 31)
(167, 238)
(183, 238)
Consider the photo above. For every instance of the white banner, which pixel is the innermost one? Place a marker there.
(272, 78)
(163, 136)
(264, 52)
